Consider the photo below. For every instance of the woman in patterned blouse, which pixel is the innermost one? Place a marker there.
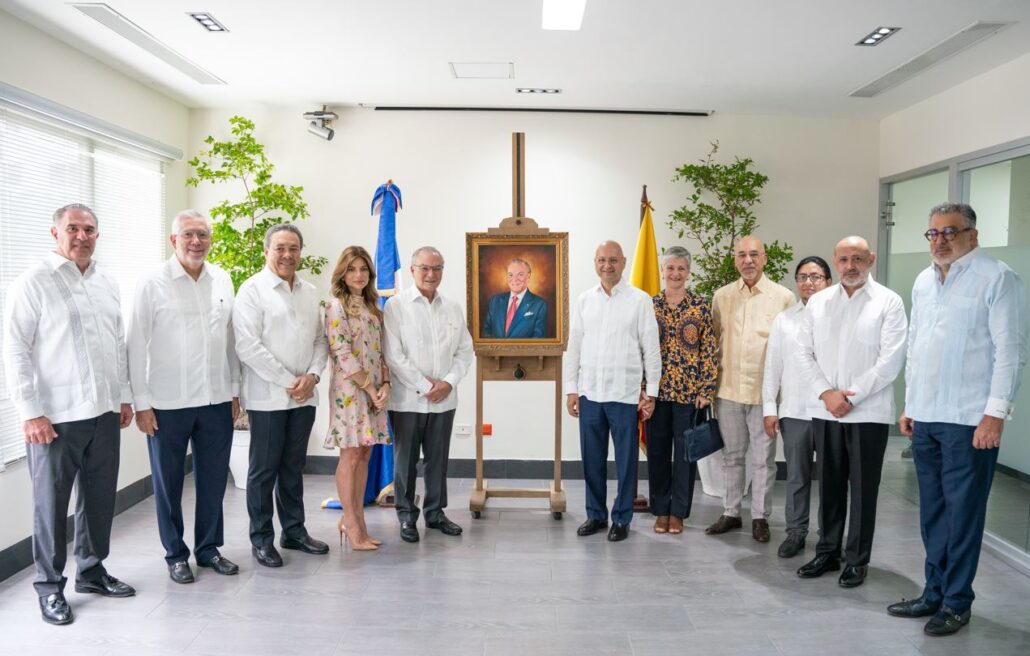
(358, 387)
(688, 383)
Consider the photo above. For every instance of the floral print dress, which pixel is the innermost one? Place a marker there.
(355, 344)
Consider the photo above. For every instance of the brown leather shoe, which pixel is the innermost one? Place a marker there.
(661, 524)
(724, 524)
(760, 530)
(675, 525)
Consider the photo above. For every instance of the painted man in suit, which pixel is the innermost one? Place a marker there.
(519, 313)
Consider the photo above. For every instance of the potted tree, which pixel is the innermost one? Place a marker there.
(719, 212)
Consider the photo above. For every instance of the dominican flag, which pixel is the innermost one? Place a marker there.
(385, 202)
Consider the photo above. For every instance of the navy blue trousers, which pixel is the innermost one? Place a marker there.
(596, 421)
(209, 429)
(954, 481)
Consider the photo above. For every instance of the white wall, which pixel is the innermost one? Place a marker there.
(990, 109)
(583, 176)
(40, 64)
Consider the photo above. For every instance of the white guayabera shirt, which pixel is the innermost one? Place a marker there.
(967, 342)
(423, 340)
(64, 346)
(856, 344)
(182, 351)
(613, 346)
(782, 376)
(279, 335)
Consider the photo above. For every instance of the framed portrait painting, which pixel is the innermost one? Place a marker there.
(518, 288)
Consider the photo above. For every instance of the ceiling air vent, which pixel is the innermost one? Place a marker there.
(935, 55)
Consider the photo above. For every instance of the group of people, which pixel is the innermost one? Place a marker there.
(818, 372)
(190, 357)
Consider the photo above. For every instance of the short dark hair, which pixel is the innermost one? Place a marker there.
(955, 208)
(819, 262)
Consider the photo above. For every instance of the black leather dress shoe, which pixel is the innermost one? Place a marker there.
(55, 609)
(409, 532)
(268, 556)
(446, 526)
(591, 526)
(180, 572)
(852, 576)
(106, 586)
(307, 544)
(912, 608)
(945, 622)
(819, 565)
(618, 532)
(221, 565)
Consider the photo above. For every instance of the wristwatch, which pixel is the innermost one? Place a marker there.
(318, 379)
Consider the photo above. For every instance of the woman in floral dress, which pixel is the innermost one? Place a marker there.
(359, 386)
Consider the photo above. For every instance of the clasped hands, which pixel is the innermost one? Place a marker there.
(837, 402)
(441, 390)
(302, 388)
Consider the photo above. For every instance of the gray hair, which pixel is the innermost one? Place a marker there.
(280, 227)
(673, 252)
(519, 260)
(955, 208)
(425, 249)
(61, 211)
(188, 214)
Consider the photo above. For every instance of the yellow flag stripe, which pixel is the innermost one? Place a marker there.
(645, 260)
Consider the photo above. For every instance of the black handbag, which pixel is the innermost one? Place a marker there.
(703, 437)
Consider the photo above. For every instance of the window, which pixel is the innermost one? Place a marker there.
(43, 167)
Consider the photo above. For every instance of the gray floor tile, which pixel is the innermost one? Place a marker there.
(518, 582)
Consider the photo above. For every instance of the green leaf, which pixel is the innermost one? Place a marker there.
(719, 211)
(254, 203)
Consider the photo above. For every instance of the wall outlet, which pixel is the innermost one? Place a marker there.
(464, 430)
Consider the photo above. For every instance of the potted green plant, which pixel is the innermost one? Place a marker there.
(719, 212)
(240, 224)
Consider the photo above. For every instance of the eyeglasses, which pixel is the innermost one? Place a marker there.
(805, 277)
(426, 269)
(949, 233)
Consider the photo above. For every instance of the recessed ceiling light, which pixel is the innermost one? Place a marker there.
(876, 36)
(207, 21)
(536, 90)
(563, 14)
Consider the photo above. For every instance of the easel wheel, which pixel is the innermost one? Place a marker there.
(556, 515)
(476, 514)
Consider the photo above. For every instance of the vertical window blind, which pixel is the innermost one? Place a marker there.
(43, 167)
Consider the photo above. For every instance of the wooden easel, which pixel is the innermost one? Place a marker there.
(524, 362)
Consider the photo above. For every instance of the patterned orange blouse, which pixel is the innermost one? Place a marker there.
(689, 347)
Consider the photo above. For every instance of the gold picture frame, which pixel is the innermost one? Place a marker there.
(488, 258)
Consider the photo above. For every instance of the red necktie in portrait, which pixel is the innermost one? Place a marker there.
(511, 313)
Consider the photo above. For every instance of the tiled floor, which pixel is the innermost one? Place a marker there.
(518, 582)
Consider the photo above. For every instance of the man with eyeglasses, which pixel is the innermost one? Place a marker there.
(429, 351)
(851, 348)
(185, 385)
(64, 355)
(966, 351)
(743, 313)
